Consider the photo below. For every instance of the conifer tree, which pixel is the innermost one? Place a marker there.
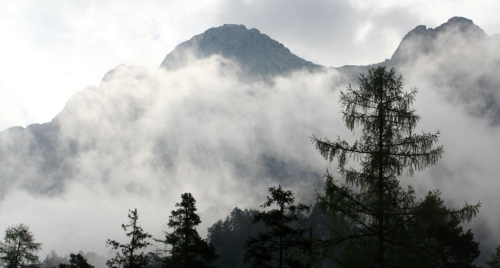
(76, 261)
(19, 248)
(53, 260)
(370, 197)
(187, 248)
(228, 237)
(276, 246)
(443, 237)
(495, 259)
(131, 255)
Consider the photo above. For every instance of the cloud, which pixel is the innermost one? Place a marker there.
(344, 33)
(138, 141)
(53, 49)
(458, 95)
(141, 141)
(62, 47)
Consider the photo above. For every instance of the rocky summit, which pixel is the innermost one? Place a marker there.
(258, 55)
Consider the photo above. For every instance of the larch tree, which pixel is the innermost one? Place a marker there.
(132, 255)
(186, 247)
(279, 244)
(370, 197)
(19, 248)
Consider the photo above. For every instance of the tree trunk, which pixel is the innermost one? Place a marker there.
(380, 182)
(281, 239)
(16, 259)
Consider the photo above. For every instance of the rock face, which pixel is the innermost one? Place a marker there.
(258, 55)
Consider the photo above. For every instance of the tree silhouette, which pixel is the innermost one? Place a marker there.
(444, 237)
(131, 255)
(274, 248)
(370, 197)
(495, 259)
(19, 248)
(430, 240)
(53, 260)
(76, 261)
(187, 248)
(228, 237)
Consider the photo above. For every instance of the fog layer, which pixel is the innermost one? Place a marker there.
(140, 141)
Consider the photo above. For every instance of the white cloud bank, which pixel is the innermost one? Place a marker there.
(143, 141)
(52, 49)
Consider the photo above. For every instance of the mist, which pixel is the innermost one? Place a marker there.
(139, 141)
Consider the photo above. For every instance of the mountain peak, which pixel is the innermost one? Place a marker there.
(259, 56)
(237, 27)
(463, 26)
(457, 19)
(423, 40)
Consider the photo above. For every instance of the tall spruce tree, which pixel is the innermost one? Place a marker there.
(131, 255)
(277, 247)
(187, 248)
(19, 248)
(370, 197)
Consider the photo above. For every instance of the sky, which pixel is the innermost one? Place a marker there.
(52, 49)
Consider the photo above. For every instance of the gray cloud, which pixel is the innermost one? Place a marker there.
(345, 34)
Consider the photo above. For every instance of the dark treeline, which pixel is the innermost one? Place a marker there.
(54, 260)
(365, 218)
(232, 238)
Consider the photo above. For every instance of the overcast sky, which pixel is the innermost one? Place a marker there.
(52, 49)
